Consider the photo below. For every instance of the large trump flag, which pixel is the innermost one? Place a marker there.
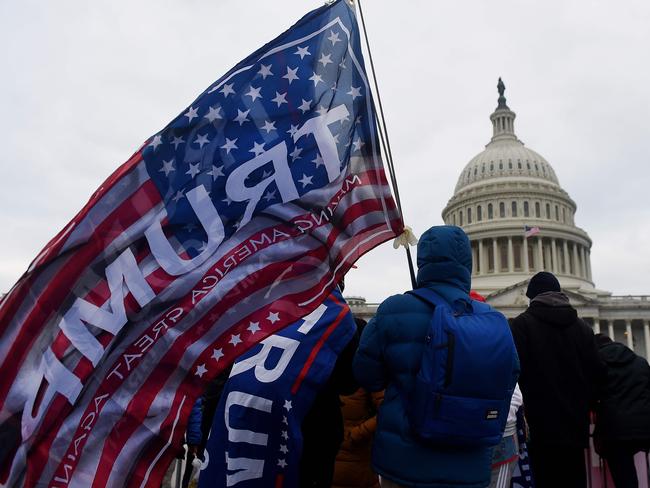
(232, 222)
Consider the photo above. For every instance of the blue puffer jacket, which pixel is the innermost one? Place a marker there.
(389, 357)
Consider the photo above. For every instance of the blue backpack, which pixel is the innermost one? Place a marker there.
(469, 369)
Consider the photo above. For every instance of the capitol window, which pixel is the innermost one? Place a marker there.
(469, 215)
(460, 216)
(548, 211)
(500, 165)
(503, 261)
(516, 250)
(526, 210)
(509, 164)
(519, 164)
(557, 213)
(564, 215)
(491, 166)
(490, 212)
(502, 209)
(514, 209)
(537, 211)
(479, 213)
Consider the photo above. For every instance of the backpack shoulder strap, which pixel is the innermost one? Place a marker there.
(430, 297)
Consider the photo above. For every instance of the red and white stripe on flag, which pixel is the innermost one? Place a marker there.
(118, 324)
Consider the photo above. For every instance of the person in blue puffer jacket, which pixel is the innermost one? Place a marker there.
(389, 357)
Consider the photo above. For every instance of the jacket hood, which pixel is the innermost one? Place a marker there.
(553, 307)
(616, 353)
(445, 262)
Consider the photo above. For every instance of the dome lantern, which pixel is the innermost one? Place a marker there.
(503, 119)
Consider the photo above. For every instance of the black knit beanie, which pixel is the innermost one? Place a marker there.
(542, 282)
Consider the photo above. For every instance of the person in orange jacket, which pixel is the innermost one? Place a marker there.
(352, 468)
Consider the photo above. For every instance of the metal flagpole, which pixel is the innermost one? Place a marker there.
(384, 141)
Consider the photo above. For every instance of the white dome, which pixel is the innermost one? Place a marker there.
(517, 216)
(506, 158)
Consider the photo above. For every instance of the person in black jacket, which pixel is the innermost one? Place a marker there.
(560, 377)
(623, 414)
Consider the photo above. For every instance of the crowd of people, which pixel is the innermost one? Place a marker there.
(416, 398)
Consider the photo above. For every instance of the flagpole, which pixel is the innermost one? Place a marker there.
(385, 141)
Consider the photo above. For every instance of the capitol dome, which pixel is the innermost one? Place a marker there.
(504, 190)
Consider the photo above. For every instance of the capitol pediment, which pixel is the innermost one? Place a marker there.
(515, 296)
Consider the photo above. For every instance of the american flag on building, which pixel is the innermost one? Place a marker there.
(232, 222)
(530, 231)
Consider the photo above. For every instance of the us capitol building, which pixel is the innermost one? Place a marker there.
(500, 191)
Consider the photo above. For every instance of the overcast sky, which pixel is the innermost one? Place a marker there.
(83, 84)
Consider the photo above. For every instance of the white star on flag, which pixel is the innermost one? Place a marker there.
(292, 130)
(316, 79)
(257, 148)
(217, 354)
(155, 142)
(178, 196)
(280, 98)
(200, 370)
(242, 117)
(273, 317)
(358, 144)
(177, 142)
(227, 89)
(285, 435)
(265, 71)
(295, 154)
(213, 114)
(291, 74)
(270, 195)
(215, 172)
(283, 448)
(355, 92)
(253, 327)
(325, 59)
(318, 161)
(287, 405)
(305, 106)
(303, 51)
(254, 93)
(201, 140)
(167, 167)
(235, 339)
(268, 126)
(230, 144)
(334, 37)
(306, 180)
(191, 113)
(282, 463)
(194, 170)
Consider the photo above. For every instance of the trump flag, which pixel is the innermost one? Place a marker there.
(256, 438)
(232, 222)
